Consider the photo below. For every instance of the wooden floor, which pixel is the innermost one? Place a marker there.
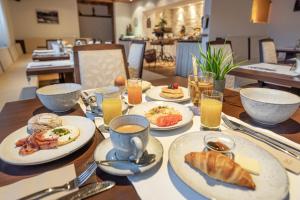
(163, 68)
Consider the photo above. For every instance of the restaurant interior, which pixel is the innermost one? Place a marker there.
(150, 99)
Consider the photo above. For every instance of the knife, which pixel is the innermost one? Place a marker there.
(89, 190)
(269, 140)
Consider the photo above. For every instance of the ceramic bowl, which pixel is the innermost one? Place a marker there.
(59, 97)
(269, 106)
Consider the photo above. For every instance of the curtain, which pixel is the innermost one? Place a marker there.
(6, 34)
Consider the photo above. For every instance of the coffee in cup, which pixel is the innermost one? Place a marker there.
(129, 135)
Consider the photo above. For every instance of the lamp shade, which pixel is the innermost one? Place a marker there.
(260, 11)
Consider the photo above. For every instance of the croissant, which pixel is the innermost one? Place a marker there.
(220, 167)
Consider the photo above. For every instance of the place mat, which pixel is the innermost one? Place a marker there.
(43, 181)
(56, 63)
(163, 180)
(271, 68)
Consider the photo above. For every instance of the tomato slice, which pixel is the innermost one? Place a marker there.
(168, 120)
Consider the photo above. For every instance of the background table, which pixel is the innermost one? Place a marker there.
(16, 114)
(48, 57)
(289, 52)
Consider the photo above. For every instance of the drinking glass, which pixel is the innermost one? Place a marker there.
(198, 83)
(134, 90)
(211, 109)
(111, 105)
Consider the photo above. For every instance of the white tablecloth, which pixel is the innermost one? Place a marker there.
(55, 63)
(162, 183)
(271, 68)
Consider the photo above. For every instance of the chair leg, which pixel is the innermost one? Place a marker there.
(261, 83)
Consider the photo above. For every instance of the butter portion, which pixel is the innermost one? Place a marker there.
(249, 164)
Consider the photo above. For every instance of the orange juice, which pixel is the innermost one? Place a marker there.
(211, 110)
(111, 107)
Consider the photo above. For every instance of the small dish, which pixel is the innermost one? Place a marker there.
(219, 142)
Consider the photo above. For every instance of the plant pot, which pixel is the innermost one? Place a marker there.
(219, 85)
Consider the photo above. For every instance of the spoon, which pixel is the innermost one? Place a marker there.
(145, 160)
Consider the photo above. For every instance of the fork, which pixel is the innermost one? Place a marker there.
(265, 139)
(75, 183)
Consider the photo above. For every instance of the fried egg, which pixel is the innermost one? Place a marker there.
(66, 134)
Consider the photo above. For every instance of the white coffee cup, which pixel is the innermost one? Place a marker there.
(129, 146)
(99, 93)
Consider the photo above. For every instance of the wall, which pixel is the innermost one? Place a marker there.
(232, 18)
(122, 13)
(95, 27)
(138, 9)
(6, 25)
(25, 22)
(284, 25)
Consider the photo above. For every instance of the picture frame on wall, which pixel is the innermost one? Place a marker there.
(47, 16)
(297, 5)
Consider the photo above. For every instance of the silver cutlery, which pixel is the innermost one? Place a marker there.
(89, 190)
(75, 183)
(145, 160)
(285, 148)
(262, 68)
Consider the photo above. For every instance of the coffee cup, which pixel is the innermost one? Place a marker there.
(129, 135)
(98, 96)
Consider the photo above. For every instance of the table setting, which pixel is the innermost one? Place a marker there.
(182, 142)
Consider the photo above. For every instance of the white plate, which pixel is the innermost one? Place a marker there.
(10, 154)
(105, 151)
(272, 183)
(154, 92)
(187, 114)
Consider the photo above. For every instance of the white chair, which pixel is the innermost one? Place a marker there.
(98, 65)
(51, 43)
(136, 58)
(267, 51)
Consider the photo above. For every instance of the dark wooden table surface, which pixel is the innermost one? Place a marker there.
(289, 52)
(49, 70)
(16, 114)
(48, 57)
(292, 81)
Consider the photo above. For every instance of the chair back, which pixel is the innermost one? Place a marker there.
(136, 57)
(98, 65)
(267, 51)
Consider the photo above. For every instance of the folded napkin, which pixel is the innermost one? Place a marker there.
(43, 51)
(58, 63)
(286, 160)
(271, 68)
(43, 181)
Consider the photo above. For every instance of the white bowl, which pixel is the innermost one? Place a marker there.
(269, 106)
(59, 97)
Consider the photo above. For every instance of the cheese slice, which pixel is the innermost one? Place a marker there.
(249, 164)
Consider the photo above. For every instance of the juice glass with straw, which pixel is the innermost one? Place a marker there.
(134, 90)
(111, 105)
(211, 109)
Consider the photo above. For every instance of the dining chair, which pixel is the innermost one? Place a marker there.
(98, 65)
(136, 58)
(267, 51)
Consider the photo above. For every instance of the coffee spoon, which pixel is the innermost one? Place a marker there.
(145, 160)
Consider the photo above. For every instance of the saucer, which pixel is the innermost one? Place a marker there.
(105, 151)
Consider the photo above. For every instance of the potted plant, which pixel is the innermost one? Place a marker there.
(218, 62)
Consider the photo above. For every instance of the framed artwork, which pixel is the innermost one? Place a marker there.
(47, 16)
(297, 5)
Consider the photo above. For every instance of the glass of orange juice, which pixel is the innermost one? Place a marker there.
(134, 90)
(111, 105)
(198, 83)
(211, 109)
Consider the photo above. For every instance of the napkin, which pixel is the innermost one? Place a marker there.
(286, 160)
(271, 68)
(43, 181)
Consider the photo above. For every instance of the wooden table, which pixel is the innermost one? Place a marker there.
(289, 52)
(48, 57)
(292, 81)
(16, 114)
